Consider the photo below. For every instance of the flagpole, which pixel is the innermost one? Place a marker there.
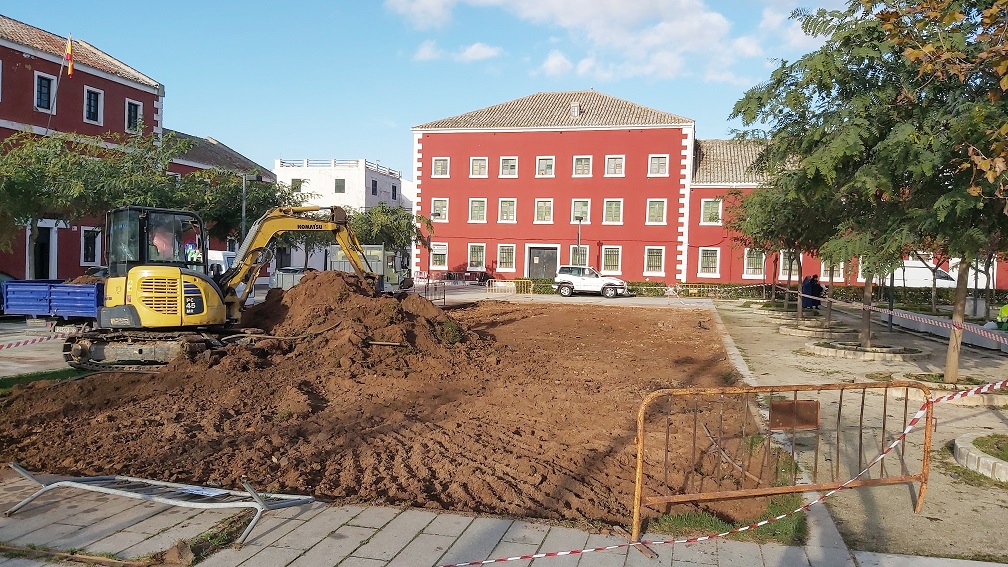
(63, 61)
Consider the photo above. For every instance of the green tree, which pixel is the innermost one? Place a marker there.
(963, 41)
(67, 177)
(855, 122)
(394, 227)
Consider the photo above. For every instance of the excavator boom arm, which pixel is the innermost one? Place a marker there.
(252, 254)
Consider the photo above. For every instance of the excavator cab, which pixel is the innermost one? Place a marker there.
(145, 236)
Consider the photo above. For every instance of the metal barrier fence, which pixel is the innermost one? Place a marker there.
(704, 444)
(434, 291)
(502, 287)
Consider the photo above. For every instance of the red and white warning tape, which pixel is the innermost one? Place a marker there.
(35, 340)
(976, 329)
(986, 388)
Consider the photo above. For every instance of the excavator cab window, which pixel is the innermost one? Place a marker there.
(141, 236)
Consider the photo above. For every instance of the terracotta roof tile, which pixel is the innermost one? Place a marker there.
(83, 53)
(726, 161)
(210, 152)
(568, 109)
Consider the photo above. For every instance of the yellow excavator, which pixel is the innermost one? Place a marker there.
(161, 299)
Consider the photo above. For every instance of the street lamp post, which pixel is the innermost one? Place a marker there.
(579, 219)
(246, 177)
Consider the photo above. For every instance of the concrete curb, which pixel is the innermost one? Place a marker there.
(967, 455)
(861, 355)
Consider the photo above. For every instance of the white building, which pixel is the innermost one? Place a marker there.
(349, 183)
(354, 183)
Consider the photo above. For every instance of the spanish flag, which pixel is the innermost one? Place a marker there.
(69, 56)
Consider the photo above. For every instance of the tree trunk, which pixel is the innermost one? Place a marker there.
(32, 229)
(988, 290)
(958, 315)
(787, 294)
(864, 337)
(799, 312)
(829, 297)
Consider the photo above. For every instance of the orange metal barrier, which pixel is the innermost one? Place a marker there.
(704, 444)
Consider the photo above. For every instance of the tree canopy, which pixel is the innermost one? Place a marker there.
(856, 127)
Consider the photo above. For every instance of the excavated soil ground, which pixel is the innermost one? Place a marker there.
(513, 409)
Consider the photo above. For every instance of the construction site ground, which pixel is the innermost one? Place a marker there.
(530, 416)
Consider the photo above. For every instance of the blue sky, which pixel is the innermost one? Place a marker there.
(348, 79)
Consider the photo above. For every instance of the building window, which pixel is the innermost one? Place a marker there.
(755, 261)
(788, 258)
(824, 271)
(340, 186)
(94, 106)
(544, 166)
(710, 211)
(582, 166)
(477, 210)
(509, 167)
(658, 165)
(544, 211)
(709, 263)
(440, 167)
(613, 211)
(478, 167)
(90, 246)
(134, 114)
(612, 260)
(395, 192)
(654, 260)
(506, 210)
(655, 211)
(580, 208)
(45, 100)
(477, 255)
(296, 185)
(439, 210)
(579, 255)
(505, 257)
(439, 256)
(374, 186)
(614, 166)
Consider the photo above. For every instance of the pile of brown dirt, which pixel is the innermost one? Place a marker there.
(514, 409)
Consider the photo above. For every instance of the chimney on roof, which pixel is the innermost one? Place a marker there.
(575, 109)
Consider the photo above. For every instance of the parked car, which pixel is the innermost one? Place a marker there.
(97, 271)
(584, 279)
(915, 273)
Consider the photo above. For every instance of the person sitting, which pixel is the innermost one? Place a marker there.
(162, 243)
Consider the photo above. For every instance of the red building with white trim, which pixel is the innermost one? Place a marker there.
(580, 177)
(514, 188)
(104, 95)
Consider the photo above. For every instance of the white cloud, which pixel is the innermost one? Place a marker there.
(640, 38)
(556, 63)
(747, 46)
(478, 52)
(423, 13)
(428, 51)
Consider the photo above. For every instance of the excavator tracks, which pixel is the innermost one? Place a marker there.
(133, 351)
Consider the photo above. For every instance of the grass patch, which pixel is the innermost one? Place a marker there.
(939, 378)
(7, 383)
(994, 445)
(791, 530)
(223, 534)
(944, 459)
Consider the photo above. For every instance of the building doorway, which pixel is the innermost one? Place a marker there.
(42, 258)
(542, 262)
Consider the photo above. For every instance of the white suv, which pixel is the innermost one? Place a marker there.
(570, 279)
